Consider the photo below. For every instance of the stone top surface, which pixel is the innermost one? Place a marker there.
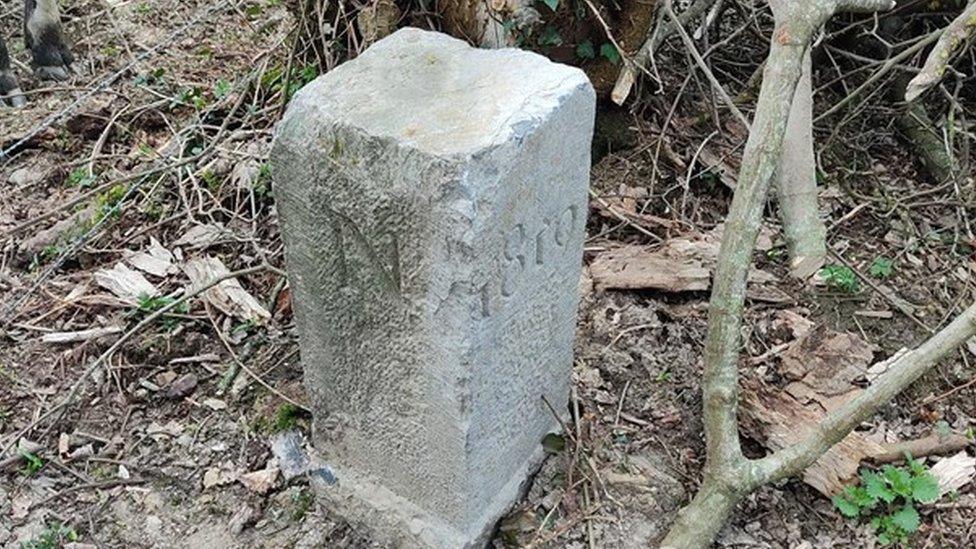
(438, 94)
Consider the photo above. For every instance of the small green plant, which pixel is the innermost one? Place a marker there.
(881, 267)
(550, 37)
(190, 96)
(222, 89)
(841, 278)
(54, 536)
(155, 76)
(585, 50)
(303, 504)
(262, 184)
(287, 417)
(32, 463)
(888, 498)
(81, 178)
(148, 305)
(106, 204)
(553, 4)
(212, 180)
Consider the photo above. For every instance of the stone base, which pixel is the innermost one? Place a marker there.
(394, 520)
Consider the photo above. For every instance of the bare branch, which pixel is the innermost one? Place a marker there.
(941, 55)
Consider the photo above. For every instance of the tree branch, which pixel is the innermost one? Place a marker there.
(660, 30)
(941, 55)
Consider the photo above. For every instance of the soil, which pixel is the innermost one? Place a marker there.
(157, 446)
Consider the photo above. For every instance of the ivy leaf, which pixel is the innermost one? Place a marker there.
(876, 487)
(907, 519)
(610, 52)
(925, 488)
(846, 507)
(550, 37)
(553, 4)
(585, 50)
(900, 480)
(553, 443)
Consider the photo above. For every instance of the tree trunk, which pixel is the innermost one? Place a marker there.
(796, 178)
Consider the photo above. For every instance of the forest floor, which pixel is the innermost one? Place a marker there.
(108, 209)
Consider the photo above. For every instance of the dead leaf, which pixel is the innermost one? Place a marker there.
(155, 260)
(214, 404)
(126, 284)
(954, 472)
(228, 296)
(202, 236)
(182, 387)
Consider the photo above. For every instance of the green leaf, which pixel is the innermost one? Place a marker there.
(907, 519)
(881, 267)
(585, 50)
(876, 487)
(553, 4)
(841, 277)
(609, 51)
(222, 88)
(553, 443)
(900, 480)
(550, 37)
(846, 507)
(884, 539)
(925, 488)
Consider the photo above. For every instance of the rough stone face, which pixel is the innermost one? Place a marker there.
(433, 205)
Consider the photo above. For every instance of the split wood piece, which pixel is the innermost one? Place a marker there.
(783, 421)
(81, 335)
(680, 265)
(822, 367)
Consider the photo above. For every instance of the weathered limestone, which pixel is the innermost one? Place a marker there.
(433, 203)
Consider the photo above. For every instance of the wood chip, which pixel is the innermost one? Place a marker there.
(228, 296)
(182, 387)
(126, 284)
(260, 482)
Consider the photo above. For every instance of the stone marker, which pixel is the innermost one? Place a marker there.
(433, 202)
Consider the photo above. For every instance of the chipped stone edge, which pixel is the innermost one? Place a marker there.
(392, 518)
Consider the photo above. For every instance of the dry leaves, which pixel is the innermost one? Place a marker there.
(228, 296)
(126, 284)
